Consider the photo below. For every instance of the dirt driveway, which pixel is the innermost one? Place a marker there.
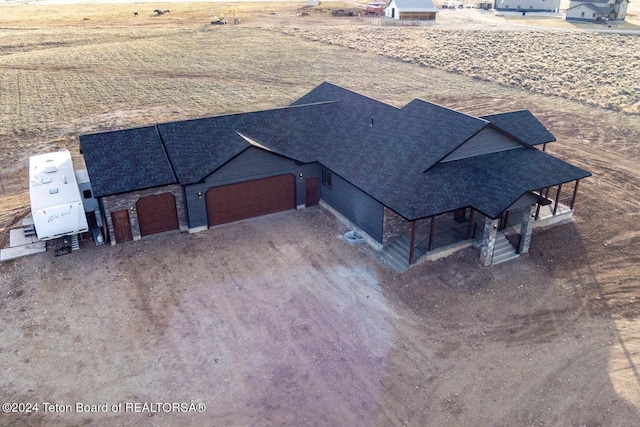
(279, 321)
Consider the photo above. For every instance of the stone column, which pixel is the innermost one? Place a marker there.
(525, 229)
(488, 240)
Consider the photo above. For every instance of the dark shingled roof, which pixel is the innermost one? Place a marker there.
(489, 183)
(444, 129)
(125, 160)
(521, 125)
(198, 147)
(601, 10)
(393, 154)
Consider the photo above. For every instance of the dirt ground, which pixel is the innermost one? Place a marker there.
(279, 321)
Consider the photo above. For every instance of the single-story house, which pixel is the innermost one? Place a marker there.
(423, 173)
(597, 10)
(417, 10)
(527, 5)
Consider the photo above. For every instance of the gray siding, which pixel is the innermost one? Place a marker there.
(254, 163)
(356, 205)
(486, 141)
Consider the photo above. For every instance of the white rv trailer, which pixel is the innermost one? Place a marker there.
(56, 203)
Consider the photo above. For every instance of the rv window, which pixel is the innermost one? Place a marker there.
(87, 194)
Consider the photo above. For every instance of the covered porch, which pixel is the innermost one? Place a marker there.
(498, 240)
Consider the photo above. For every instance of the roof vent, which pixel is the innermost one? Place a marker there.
(50, 169)
(371, 121)
(45, 180)
(53, 191)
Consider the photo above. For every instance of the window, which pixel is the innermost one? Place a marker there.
(582, 14)
(87, 194)
(594, 15)
(326, 177)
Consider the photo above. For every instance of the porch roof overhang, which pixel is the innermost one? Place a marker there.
(490, 183)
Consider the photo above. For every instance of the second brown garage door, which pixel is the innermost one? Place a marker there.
(249, 199)
(157, 214)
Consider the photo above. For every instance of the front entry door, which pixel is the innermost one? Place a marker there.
(312, 191)
(121, 226)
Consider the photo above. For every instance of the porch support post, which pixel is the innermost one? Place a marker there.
(432, 232)
(413, 242)
(526, 229)
(470, 225)
(544, 147)
(575, 193)
(488, 241)
(538, 207)
(555, 207)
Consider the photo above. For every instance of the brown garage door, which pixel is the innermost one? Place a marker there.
(157, 214)
(248, 199)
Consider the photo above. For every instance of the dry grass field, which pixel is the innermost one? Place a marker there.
(552, 338)
(597, 69)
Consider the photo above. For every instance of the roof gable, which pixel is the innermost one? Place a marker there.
(488, 140)
(126, 160)
(198, 147)
(521, 125)
(599, 9)
(441, 130)
(489, 183)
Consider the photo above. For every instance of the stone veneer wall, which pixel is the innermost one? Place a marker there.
(393, 225)
(488, 241)
(526, 228)
(126, 201)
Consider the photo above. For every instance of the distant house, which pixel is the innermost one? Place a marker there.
(418, 10)
(527, 5)
(597, 10)
(412, 181)
(375, 8)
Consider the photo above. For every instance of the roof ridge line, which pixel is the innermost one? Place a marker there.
(447, 108)
(166, 154)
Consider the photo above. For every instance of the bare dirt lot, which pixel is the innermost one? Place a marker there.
(277, 320)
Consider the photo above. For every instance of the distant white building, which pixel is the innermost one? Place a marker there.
(527, 5)
(597, 10)
(411, 9)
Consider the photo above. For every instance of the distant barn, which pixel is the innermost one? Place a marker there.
(527, 5)
(418, 10)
